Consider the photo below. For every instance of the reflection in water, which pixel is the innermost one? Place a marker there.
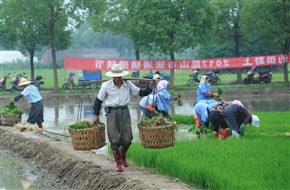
(17, 174)
(60, 116)
(57, 118)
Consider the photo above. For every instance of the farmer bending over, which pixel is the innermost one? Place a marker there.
(238, 117)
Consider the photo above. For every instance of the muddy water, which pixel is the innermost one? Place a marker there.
(16, 174)
(58, 116)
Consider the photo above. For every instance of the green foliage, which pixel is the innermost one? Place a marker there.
(82, 125)
(11, 108)
(179, 103)
(182, 119)
(220, 90)
(16, 111)
(272, 19)
(218, 164)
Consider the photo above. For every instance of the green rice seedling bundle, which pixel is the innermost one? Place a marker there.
(179, 102)
(158, 132)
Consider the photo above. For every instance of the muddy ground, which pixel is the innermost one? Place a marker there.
(84, 169)
(79, 170)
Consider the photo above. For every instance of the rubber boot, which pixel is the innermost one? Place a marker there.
(118, 160)
(123, 156)
(40, 125)
(197, 124)
(216, 134)
(225, 133)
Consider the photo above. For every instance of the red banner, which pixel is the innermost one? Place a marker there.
(188, 64)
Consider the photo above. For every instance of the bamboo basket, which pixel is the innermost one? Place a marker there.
(157, 137)
(88, 138)
(10, 119)
(100, 136)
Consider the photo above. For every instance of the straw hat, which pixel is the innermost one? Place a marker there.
(23, 81)
(117, 71)
(156, 77)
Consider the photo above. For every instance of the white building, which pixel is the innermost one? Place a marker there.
(9, 56)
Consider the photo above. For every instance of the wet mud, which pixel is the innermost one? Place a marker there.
(79, 169)
(88, 170)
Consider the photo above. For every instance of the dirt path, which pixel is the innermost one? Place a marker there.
(80, 169)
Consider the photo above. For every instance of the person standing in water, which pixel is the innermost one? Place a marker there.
(33, 97)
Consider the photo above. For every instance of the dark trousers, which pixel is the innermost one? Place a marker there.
(36, 113)
(119, 128)
(217, 120)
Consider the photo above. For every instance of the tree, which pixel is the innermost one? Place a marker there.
(59, 18)
(35, 24)
(115, 18)
(169, 27)
(271, 19)
(20, 29)
(228, 26)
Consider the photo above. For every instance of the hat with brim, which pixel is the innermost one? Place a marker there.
(23, 81)
(156, 77)
(117, 71)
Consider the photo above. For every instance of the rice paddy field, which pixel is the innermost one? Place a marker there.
(259, 160)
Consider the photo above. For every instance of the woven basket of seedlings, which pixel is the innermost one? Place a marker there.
(86, 135)
(10, 115)
(157, 132)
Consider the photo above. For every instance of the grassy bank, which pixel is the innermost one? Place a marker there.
(260, 160)
(180, 79)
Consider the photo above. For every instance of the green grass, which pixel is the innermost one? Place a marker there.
(180, 79)
(260, 160)
(183, 119)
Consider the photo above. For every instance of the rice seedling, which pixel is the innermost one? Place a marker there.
(183, 119)
(260, 160)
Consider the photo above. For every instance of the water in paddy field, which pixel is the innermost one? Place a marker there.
(16, 174)
(59, 116)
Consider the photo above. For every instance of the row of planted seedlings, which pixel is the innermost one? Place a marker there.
(259, 160)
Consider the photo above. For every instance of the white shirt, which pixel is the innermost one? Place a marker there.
(31, 93)
(113, 96)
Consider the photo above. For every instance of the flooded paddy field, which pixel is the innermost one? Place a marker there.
(62, 110)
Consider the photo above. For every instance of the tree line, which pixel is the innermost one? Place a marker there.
(231, 28)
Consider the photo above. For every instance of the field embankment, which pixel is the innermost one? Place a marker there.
(79, 169)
